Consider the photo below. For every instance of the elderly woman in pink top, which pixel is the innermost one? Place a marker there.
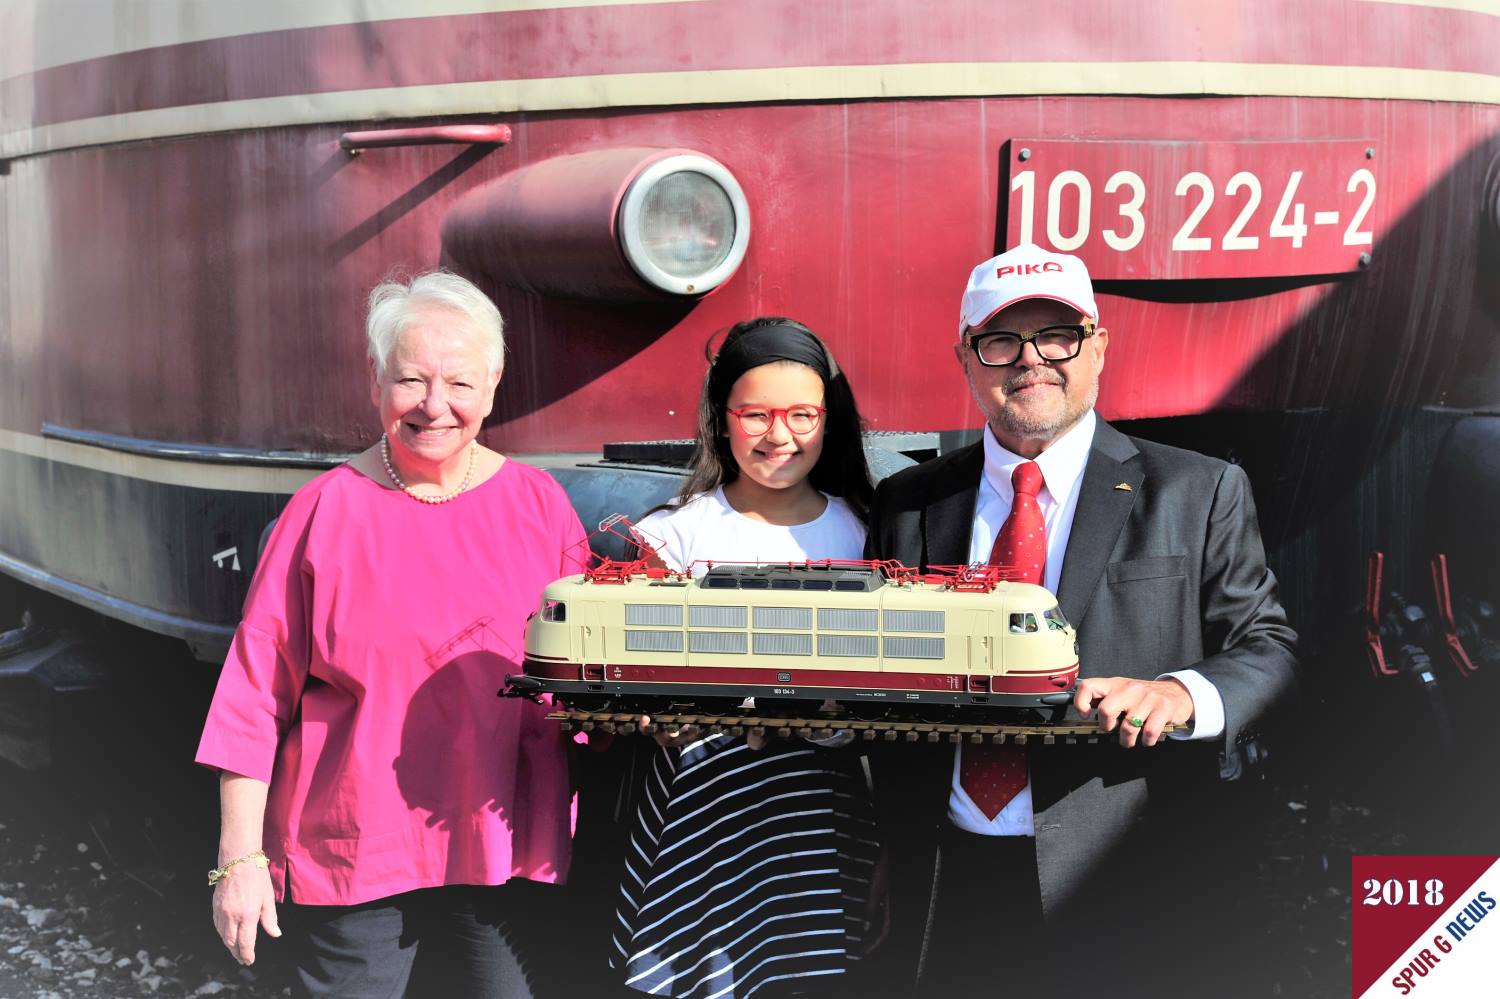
(372, 784)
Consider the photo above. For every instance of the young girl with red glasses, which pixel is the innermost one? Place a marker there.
(748, 870)
(779, 473)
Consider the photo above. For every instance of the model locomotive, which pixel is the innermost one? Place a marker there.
(867, 635)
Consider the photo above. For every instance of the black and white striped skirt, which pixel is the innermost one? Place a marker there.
(748, 871)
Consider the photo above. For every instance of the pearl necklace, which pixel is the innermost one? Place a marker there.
(390, 469)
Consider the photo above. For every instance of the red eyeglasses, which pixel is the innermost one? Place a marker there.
(802, 418)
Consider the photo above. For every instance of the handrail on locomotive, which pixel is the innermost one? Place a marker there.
(648, 564)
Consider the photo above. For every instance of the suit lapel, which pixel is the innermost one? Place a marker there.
(949, 515)
(1101, 514)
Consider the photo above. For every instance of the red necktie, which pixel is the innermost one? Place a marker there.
(991, 775)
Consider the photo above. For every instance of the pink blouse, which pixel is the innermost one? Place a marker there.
(361, 686)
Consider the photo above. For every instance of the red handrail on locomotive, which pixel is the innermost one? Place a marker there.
(649, 565)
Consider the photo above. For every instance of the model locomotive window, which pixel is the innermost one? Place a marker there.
(653, 641)
(790, 618)
(717, 641)
(1023, 624)
(848, 619)
(772, 644)
(852, 646)
(669, 615)
(554, 610)
(1055, 619)
(708, 616)
(930, 621)
(913, 648)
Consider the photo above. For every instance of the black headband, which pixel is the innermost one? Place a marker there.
(763, 345)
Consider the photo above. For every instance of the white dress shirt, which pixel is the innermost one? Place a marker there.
(1062, 467)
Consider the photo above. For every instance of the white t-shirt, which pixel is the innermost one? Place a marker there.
(706, 527)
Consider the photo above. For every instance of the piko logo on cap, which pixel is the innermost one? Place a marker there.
(1050, 267)
(1028, 271)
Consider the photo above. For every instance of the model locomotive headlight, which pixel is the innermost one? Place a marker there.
(684, 224)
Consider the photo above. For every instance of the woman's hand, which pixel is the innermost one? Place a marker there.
(244, 901)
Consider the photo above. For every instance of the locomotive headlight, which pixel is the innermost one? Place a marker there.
(684, 224)
(615, 224)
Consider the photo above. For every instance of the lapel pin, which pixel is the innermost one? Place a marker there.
(1125, 487)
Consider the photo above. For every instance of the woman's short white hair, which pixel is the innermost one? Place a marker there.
(394, 305)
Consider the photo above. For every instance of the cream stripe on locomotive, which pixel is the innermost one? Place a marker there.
(803, 83)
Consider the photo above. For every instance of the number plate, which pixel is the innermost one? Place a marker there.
(1173, 210)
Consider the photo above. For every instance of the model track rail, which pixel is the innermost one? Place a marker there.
(890, 730)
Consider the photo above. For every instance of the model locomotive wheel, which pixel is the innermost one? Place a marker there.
(1050, 714)
(714, 706)
(789, 707)
(586, 702)
(861, 711)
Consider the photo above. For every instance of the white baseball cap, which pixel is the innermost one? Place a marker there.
(1027, 271)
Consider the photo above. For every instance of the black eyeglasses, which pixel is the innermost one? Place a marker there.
(1052, 343)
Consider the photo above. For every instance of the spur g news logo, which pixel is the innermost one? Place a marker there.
(1421, 927)
(1020, 270)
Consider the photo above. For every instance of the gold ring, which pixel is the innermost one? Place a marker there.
(1137, 722)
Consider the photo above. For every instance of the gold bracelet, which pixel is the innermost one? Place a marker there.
(258, 858)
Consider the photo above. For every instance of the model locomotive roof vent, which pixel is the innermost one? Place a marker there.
(792, 577)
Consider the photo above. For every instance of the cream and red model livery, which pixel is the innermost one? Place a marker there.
(866, 634)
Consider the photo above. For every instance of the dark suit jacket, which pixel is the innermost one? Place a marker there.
(1166, 574)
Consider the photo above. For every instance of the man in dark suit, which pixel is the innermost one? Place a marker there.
(1156, 558)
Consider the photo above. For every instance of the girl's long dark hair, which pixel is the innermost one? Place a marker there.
(841, 469)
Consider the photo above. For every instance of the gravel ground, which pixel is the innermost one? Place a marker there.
(97, 903)
(103, 853)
